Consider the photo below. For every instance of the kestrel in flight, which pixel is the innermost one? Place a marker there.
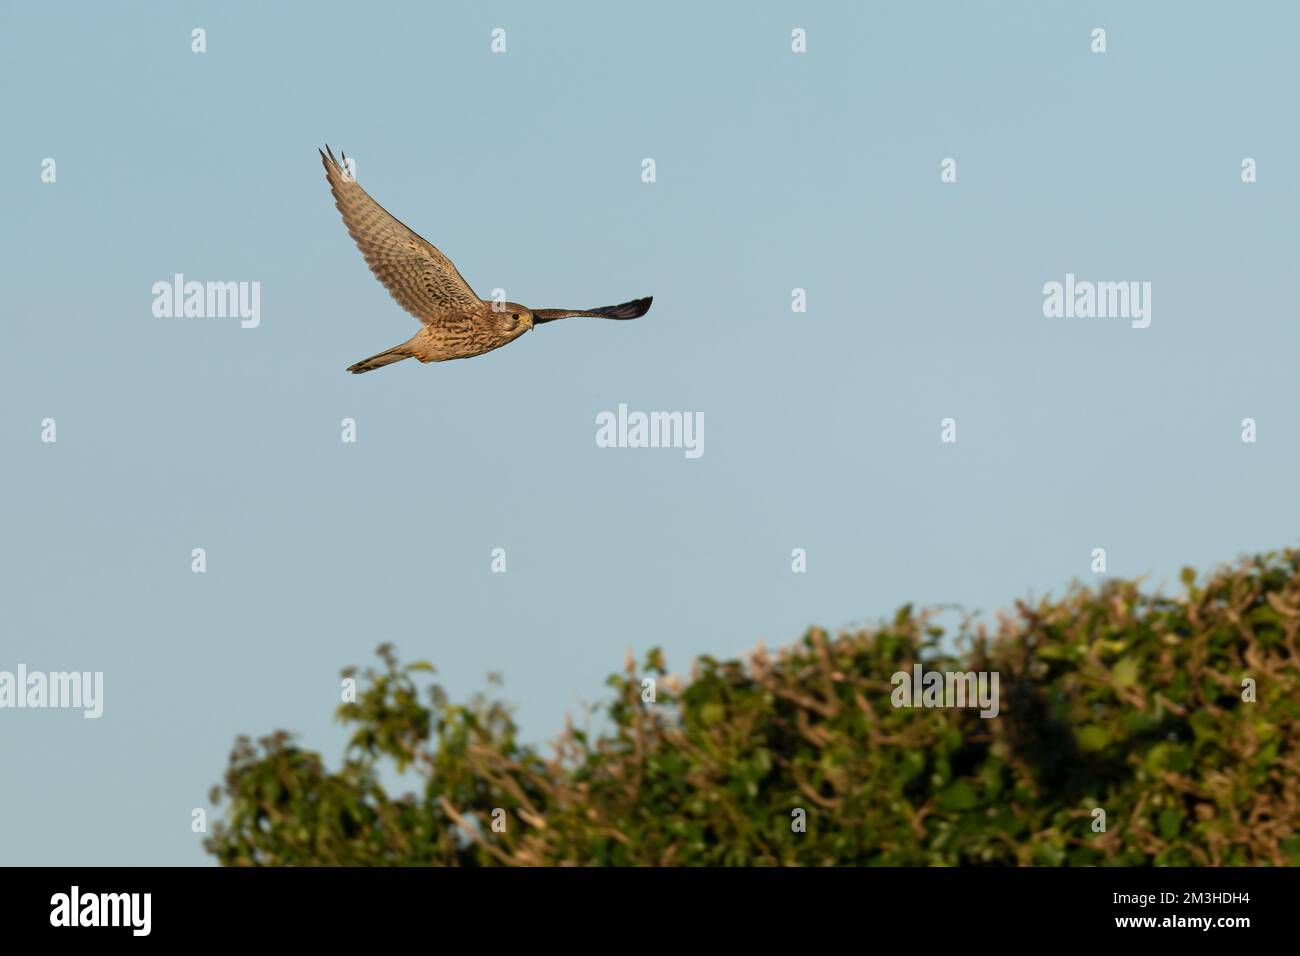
(456, 322)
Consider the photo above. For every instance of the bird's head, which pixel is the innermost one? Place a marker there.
(512, 318)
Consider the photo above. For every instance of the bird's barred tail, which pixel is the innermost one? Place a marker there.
(395, 354)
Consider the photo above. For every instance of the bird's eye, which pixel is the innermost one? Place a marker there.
(515, 316)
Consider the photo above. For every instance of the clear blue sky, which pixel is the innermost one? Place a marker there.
(775, 171)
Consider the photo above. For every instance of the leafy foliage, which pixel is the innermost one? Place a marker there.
(1110, 698)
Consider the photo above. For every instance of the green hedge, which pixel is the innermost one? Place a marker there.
(1112, 699)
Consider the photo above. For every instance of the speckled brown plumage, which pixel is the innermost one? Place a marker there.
(456, 323)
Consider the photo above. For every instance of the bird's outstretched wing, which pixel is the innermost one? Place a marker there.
(417, 275)
(626, 310)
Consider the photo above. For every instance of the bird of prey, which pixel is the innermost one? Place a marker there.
(456, 323)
